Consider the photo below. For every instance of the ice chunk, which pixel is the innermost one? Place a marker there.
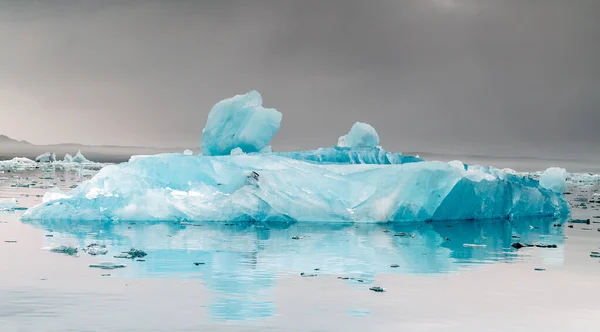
(188, 152)
(17, 163)
(239, 122)
(96, 249)
(107, 266)
(79, 158)
(555, 179)
(68, 158)
(8, 204)
(47, 157)
(237, 152)
(338, 155)
(53, 195)
(266, 149)
(67, 250)
(271, 187)
(361, 135)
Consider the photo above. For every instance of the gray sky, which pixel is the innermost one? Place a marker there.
(470, 76)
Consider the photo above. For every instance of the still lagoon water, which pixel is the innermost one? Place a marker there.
(442, 276)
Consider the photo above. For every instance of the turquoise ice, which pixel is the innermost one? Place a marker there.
(239, 122)
(361, 135)
(269, 187)
(239, 178)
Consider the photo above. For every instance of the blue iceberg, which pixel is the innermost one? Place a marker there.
(361, 135)
(239, 179)
(239, 122)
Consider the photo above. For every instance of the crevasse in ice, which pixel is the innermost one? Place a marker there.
(239, 122)
(357, 184)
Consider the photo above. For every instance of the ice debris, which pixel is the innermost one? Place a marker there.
(554, 179)
(361, 135)
(8, 204)
(67, 250)
(79, 158)
(96, 249)
(47, 157)
(68, 158)
(358, 183)
(239, 122)
(107, 266)
(188, 152)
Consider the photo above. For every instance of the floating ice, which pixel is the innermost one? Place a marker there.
(554, 179)
(17, 163)
(67, 250)
(8, 204)
(188, 152)
(356, 182)
(270, 187)
(47, 157)
(79, 158)
(68, 158)
(361, 135)
(338, 155)
(239, 122)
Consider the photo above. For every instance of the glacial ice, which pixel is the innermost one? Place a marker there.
(68, 158)
(269, 187)
(79, 158)
(239, 122)
(239, 178)
(338, 155)
(361, 135)
(555, 179)
(8, 204)
(188, 152)
(47, 157)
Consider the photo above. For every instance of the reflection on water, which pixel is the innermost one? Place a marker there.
(241, 262)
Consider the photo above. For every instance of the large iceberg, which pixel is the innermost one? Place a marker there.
(239, 122)
(238, 178)
(261, 188)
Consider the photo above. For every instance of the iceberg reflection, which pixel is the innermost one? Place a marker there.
(241, 262)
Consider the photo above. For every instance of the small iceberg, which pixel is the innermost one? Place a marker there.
(8, 204)
(47, 157)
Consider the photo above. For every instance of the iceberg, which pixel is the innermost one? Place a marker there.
(238, 178)
(268, 187)
(47, 157)
(239, 122)
(68, 158)
(361, 135)
(17, 163)
(79, 158)
(555, 179)
(8, 204)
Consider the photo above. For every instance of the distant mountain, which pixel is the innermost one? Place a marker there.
(7, 140)
(10, 148)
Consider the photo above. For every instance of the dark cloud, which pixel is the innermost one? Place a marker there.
(471, 76)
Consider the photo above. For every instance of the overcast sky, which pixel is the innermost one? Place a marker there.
(470, 76)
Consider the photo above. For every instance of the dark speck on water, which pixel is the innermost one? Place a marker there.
(377, 289)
